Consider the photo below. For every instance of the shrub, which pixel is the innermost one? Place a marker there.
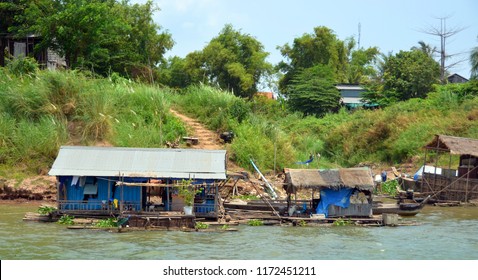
(22, 65)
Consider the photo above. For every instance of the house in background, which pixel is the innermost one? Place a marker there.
(268, 95)
(25, 46)
(456, 79)
(110, 180)
(351, 96)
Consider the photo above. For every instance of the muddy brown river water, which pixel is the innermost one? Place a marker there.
(443, 233)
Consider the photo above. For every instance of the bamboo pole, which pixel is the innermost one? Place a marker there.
(467, 180)
(423, 171)
(119, 183)
(109, 195)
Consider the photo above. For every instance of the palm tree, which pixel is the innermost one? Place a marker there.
(425, 48)
(474, 63)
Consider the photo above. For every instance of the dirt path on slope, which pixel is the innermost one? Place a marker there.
(208, 140)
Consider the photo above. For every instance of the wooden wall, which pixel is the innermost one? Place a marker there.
(450, 188)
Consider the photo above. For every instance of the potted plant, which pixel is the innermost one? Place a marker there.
(187, 191)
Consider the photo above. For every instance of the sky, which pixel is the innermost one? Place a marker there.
(389, 25)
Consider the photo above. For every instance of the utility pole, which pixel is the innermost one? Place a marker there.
(359, 34)
(444, 33)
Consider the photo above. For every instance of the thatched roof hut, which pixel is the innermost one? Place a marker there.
(454, 145)
(359, 178)
(337, 187)
(460, 184)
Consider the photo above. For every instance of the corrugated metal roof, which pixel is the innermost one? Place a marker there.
(349, 87)
(455, 145)
(360, 178)
(140, 162)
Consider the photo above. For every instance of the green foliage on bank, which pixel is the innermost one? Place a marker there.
(266, 130)
(43, 110)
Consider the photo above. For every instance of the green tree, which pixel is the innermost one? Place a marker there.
(360, 67)
(8, 10)
(232, 61)
(313, 92)
(320, 47)
(474, 63)
(425, 48)
(409, 74)
(173, 73)
(99, 35)
(145, 44)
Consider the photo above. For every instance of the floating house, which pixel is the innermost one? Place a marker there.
(111, 180)
(343, 192)
(454, 183)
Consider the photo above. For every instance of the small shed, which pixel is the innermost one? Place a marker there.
(345, 192)
(455, 183)
(112, 180)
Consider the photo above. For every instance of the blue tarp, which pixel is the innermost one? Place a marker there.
(340, 197)
(307, 161)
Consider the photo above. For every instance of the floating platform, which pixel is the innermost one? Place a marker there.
(36, 217)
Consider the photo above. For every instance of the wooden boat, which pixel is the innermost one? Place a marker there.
(403, 209)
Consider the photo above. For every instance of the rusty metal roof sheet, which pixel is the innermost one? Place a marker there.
(140, 162)
(454, 145)
(360, 178)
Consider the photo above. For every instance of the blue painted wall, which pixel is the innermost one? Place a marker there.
(76, 193)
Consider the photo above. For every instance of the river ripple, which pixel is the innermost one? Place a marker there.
(443, 233)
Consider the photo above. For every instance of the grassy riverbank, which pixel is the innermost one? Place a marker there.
(44, 110)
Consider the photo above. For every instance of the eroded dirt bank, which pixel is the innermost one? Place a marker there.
(34, 188)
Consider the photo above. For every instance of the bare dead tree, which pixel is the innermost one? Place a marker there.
(444, 33)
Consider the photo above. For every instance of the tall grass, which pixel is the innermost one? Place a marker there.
(258, 137)
(52, 108)
(392, 135)
(144, 120)
(40, 112)
(397, 133)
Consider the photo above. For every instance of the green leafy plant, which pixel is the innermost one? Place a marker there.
(255, 223)
(66, 220)
(200, 225)
(390, 187)
(302, 223)
(187, 191)
(46, 210)
(342, 222)
(107, 223)
(225, 227)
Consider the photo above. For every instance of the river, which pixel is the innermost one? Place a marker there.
(442, 233)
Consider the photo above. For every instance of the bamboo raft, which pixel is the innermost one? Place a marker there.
(36, 217)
